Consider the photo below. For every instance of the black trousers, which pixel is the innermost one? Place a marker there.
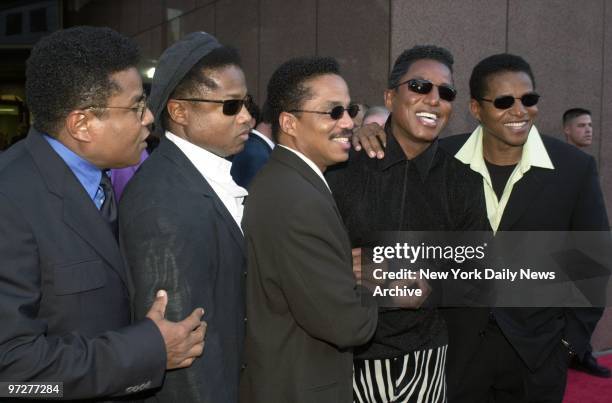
(496, 374)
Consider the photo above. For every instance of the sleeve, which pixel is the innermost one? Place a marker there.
(318, 279)
(128, 360)
(589, 215)
(158, 244)
(590, 210)
(471, 209)
(348, 194)
(470, 226)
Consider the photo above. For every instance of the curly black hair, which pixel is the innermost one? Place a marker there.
(71, 69)
(416, 53)
(494, 64)
(286, 89)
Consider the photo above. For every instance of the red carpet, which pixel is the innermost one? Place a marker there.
(583, 388)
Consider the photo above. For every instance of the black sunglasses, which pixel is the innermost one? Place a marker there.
(231, 107)
(419, 86)
(506, 101)
(336, 113)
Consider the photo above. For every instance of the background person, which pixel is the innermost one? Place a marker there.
(578, 127)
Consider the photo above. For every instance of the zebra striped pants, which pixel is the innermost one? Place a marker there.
(417, 377)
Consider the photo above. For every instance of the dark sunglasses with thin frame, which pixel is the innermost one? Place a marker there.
(506, 101)
(231, 107)
(424, 87)
(335, 113)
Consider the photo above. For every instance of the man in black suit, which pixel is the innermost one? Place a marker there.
(578, 127)
(64, 292)
(180, 213)
(304, 311)
(578, 130)
(531, 183)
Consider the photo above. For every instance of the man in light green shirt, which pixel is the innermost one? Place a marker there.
(531, 183)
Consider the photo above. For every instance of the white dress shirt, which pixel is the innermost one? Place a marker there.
(216, 171)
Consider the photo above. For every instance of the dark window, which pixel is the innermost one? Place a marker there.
(38, 20)
(14, 24)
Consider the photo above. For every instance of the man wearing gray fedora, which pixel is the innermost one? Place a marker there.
(180, 215)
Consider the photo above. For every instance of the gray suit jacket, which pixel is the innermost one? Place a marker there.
(303, 307)
(177, 235)
(64, 301)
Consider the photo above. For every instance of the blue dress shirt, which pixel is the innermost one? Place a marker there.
(88, 174)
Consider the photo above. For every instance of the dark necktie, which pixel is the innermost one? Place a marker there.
(109, 206)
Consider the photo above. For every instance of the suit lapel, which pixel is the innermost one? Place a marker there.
(199, 184)
(79, 211)
(287, 157)
(86, 221)
(524, 192)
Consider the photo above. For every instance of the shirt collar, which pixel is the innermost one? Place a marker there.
(309, 162)
(87, 173)
(209, 164)
(534, 152)
(264, 138)
(394, 154)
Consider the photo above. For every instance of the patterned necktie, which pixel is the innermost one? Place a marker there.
(109, 206)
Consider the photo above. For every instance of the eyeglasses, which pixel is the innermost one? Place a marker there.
(506, 101)
(423, 87)
(336, 113)
(231, 107)
(139, 109)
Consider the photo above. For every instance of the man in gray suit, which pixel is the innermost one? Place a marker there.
(303, 306)
(180, 214)
(64, 289)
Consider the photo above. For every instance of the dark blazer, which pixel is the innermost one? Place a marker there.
(177, 235)
(249, 161)
(64, 298)
(304, 312)
(567, 198)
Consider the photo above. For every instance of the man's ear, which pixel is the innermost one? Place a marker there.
(287, 123)
(177, 112)
(475, 109)
(566, 130)
(77, 125)
(389, 95)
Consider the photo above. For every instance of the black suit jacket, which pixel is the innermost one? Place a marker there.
(304, 312)
(177, 235)
(64, 298)
(567, 198)
(249, 161)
